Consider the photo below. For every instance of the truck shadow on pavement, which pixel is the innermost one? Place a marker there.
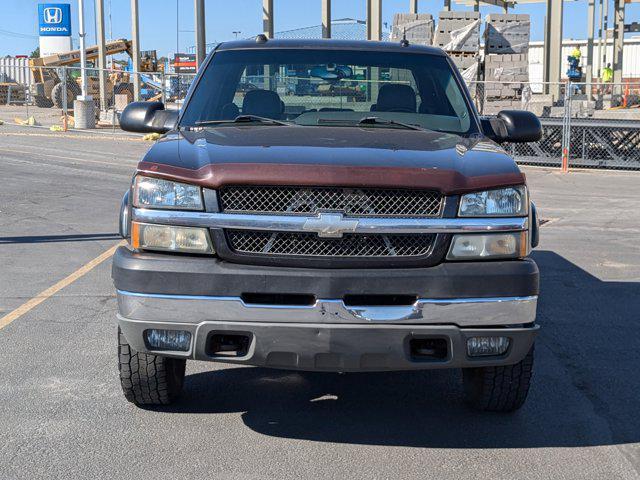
(585, 388)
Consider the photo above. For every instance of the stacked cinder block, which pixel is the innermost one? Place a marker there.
(505, 75)
(415, 27)
(458, 32)
(463, 60)
(507, 33)
(506, 60)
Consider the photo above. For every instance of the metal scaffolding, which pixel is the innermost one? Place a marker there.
(553, 31)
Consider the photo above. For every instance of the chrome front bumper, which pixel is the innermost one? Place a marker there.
(330, 335)
(464, 312)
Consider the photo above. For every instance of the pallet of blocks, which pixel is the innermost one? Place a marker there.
(415, 27)
(506, 80)
(458, 32)
(12, 93)
(507, 33)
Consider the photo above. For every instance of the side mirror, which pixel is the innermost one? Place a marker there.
(515, 126)
(148, 117)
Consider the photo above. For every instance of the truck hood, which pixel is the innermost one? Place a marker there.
(331, 156)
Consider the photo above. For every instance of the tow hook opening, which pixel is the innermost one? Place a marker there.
(221, 344)
(379, 300)
(429, 348)
(279, 299)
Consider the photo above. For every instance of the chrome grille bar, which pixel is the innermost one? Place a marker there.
(289, 223)
(352, 202)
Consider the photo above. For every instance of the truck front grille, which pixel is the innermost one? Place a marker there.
(352, 202)
(311, 245)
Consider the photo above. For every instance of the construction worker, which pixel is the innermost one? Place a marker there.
(607, 74)
(576, 54)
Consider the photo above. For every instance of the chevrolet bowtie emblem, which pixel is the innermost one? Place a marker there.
(331, 225)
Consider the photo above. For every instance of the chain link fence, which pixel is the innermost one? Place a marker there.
(48, 100)
(592, 126)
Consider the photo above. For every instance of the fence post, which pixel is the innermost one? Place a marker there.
(163, 83)
(65, 121)
(566, 128)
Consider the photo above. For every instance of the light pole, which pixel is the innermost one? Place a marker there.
(83, 52)
(83, 107)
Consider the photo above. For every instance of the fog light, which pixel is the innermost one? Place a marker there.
(177, 340)
(148, 236)
(482, 346)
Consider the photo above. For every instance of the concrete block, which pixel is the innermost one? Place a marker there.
(84, 113)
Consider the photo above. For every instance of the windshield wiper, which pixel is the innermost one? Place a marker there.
(370, 121)
(383, 121)
(244, 119)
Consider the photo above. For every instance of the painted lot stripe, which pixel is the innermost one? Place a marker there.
(93, 136)
(97, 152)
(74, 159)
(52, 290)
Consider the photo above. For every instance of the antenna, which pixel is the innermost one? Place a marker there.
(404, 42)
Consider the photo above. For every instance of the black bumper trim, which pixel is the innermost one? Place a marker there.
(188, 275)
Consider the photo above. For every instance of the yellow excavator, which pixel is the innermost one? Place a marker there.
(47, 87)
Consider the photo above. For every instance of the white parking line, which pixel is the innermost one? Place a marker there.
(52, 290)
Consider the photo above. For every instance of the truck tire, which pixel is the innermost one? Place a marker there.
(148, 379)
(42, 101)
(56, 95)
(498, 389)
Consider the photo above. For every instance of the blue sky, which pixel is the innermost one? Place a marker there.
(18, 21)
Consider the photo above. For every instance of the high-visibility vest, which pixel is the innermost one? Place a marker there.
(607, 74)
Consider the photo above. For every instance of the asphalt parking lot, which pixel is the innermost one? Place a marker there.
(62, 413)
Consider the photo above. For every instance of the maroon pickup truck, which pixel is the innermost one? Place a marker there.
(328, 206)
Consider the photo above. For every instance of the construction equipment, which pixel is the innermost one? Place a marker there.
(47, 89)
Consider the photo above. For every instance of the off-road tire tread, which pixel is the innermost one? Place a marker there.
(148, 379)
(501, 388)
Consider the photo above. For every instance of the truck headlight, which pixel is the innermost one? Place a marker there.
(503, 202)
(168, 238)
(150, 192)
(492, 245)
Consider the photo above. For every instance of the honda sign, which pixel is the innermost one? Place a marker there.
(54, 19)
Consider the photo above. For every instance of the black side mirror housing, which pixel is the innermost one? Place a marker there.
(148, 117)
(514, 126)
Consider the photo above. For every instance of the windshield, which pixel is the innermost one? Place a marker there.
(330, 88)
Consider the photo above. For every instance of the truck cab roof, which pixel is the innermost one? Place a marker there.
(322, 44)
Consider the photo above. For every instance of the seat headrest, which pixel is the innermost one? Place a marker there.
(264, 103)
(393, 97)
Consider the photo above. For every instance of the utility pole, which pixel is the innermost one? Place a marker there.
(553, 48)
(83, 51)
(326, 18)
(618, 43)
(201, 36)
(605, 33)
(102, 55)
(591, 15)
(267, 18)
(413, 6)
(83, 106)
(374, 20)
(135, 49)
(600, 39)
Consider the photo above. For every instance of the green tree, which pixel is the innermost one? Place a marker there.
(35, 53)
